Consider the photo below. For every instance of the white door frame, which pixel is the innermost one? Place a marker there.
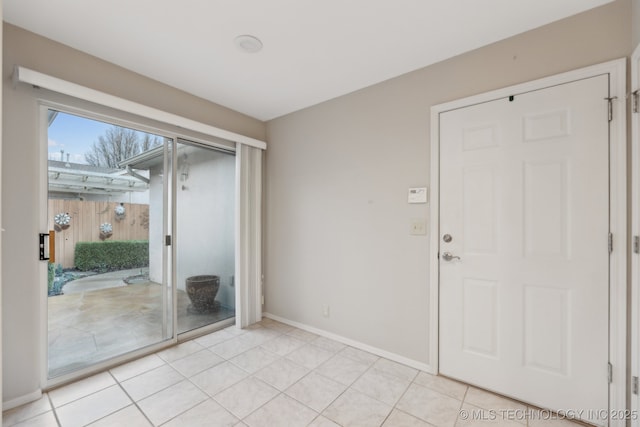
(618, 215)
(635, 231)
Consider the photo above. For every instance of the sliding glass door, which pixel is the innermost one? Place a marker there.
(204, 235)
(108, 287)
(142, 233)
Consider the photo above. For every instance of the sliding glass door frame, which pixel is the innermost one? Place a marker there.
(169, 252)
(188, 144)
(168, 248)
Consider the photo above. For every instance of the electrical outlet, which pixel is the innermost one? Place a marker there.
(325, 310)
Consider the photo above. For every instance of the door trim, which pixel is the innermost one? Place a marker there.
(617, 225)
(635, 231)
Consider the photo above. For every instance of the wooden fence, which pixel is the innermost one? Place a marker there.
(86, 218)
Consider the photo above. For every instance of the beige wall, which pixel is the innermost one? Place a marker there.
(337, 175)
(20, 171)
(635, 18)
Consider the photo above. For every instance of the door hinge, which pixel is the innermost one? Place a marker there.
(610, 372)
(610, 101)
(634, 101)
(262, 299)
(610, 242)
(634, 385)
(167, 240)
(636, 244)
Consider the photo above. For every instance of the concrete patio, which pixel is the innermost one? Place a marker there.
(104, 317)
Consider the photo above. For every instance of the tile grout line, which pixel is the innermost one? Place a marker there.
(133, 401)
(255, 410)
(252, 375)
(219, 391)
(278, 334)
(198, 404)
(400, 398)
(83, 396)
(32, 416)
(460, 409)
(462, 402)
(53, 409)
(348, 387)
(372, 367)
(201, 389)
(90, 394)
(392, 406)
(198, 372)
(298, 380)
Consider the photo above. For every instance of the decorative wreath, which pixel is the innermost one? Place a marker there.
(120, 212)
(106, 229)
(62, 219)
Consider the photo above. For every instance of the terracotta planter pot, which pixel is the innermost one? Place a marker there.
(202, 292)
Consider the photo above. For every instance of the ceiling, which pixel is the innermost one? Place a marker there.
(314, 50)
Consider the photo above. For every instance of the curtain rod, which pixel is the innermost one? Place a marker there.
(37, 79)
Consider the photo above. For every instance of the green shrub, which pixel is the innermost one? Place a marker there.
(111, 255)
(55, 284)
(51, 270)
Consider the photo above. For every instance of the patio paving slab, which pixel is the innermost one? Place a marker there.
(94, 325)
(113, 279)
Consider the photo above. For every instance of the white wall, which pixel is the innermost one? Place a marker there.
(205, 220)
(156, 209)
(21, 207)
(205, 210)
(337, 175)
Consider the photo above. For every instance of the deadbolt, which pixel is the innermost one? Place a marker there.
(447, 238)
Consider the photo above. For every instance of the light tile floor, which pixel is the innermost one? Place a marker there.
(269, 375)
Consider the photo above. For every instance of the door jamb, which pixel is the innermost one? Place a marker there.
(616, 70)
(635, 231)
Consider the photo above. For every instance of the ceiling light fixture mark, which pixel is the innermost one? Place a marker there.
(248, 43)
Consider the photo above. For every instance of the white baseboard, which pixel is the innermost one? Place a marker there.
(357, 344)
(19, 401)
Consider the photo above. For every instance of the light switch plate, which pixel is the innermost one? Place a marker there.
(418, 195)
(418, 227)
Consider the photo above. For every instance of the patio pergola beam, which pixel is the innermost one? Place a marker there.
(86, 186)
(90, 174)
(79, 192)
(137, 175)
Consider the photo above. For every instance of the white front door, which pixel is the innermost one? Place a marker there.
(524, 260)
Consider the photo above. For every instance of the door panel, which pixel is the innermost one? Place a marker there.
(108, 292)
(525, 195)
(205, 236)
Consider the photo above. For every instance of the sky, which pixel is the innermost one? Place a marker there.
(75, 135)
